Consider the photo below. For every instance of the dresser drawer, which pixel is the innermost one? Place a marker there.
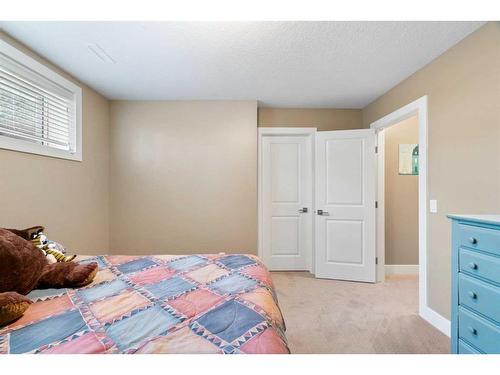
(479, 296)
(478, 331)
(479, 238)
(480, 265)
(464, 348)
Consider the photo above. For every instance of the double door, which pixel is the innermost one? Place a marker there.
(317, 202)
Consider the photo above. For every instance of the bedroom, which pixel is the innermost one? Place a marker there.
(249, 172)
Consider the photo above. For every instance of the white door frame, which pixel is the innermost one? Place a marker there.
(417, 107)
(282, 131)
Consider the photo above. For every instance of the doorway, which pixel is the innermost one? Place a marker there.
(415, 108)
(400, 174)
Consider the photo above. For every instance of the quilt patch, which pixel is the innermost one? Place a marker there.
(102, 290)
(132, 330)
(183, 264)
(236, 261)
(172, 287)
(136, 265)
(232, 284)
(46, 331)
(229, 321)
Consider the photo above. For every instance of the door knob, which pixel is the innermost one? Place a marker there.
(323, 213)
(303, 210)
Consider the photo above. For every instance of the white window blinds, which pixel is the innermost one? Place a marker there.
(34, 109)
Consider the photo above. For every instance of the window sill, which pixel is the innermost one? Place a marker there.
(10, 144)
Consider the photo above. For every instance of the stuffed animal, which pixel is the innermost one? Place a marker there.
(23, 267)
(53, 251)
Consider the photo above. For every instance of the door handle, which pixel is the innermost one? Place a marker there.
(323, 213)
(303, 210)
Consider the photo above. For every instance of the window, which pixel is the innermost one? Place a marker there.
(40, 111)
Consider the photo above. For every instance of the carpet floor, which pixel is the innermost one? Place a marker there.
(330, 316)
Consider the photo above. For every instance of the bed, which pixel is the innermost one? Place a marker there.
(204, 303)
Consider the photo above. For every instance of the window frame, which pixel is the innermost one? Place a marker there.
(14, 144)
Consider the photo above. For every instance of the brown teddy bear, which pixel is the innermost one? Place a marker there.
(23, 267)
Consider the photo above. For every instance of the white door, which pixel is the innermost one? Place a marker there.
(286, 195)
(345, 203)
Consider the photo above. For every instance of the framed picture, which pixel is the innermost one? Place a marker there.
(408, 159)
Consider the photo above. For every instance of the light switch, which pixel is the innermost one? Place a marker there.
(433, 206)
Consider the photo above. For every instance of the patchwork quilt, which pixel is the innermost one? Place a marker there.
(156, 304)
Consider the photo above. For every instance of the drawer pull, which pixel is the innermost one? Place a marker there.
(473, 331)
(473, 240)
(472, 295)
(473, 266)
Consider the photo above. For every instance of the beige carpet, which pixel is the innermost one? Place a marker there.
(329, 316)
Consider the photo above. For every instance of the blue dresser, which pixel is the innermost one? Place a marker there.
(475, 310)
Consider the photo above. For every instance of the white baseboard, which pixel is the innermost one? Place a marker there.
(401, 269)
(437, 320)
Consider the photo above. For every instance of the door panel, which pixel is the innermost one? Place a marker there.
(344, 241)
(285, 236)
(287, 181)
(345, 161)
(345, 194)
(285, 172)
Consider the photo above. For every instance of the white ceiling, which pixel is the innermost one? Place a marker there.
(281, 64)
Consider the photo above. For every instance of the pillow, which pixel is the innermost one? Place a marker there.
(12, 306)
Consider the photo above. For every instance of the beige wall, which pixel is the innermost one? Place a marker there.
(183, 177)
(463, 88)
(401, 197)
(321, 118)
(70, 198)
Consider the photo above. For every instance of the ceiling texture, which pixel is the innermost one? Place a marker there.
(280, 64)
